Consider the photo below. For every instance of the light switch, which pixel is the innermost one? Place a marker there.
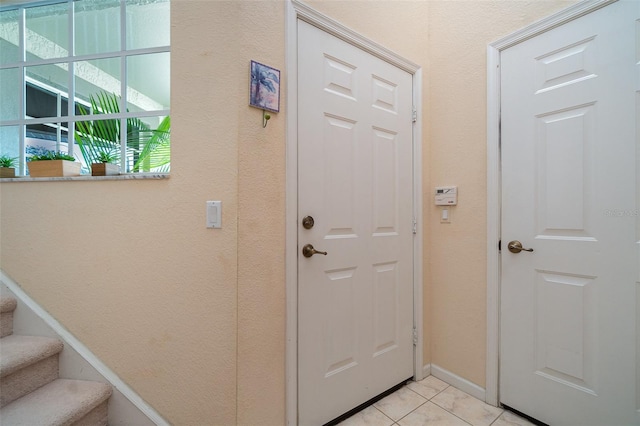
(214, 214)
(445, 218)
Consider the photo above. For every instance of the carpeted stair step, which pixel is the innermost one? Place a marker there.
(7, 306)
(26, 363)
(61, 402)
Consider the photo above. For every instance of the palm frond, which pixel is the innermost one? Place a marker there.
(154, 147)
(147, 148)
(99, 136)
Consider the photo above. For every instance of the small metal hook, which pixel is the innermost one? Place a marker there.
(265, 118)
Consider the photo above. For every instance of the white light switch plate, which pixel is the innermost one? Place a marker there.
(214, 214)
(445, 216)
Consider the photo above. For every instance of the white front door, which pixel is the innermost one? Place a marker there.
(570, 155)
(355, 304)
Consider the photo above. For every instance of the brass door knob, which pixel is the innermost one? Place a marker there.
(308, 222)
(515, 246)
(308, 251)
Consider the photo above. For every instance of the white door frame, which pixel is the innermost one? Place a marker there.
(297, 10)
(494, 201)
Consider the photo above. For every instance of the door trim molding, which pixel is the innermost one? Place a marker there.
(494, 202)
(297, 10)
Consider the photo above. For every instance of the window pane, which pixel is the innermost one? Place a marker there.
(97, 76)
(97, 26)
(96, 138)
(9, 37)
(43, 93)
(47, 31)
(50, 132)
(147, 23)
(10, 146)
(148, 145)
(148, 82)
(10, 83)
(9, 141)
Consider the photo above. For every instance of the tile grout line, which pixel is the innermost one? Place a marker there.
(426, 401)
(384, 414)
(438, 405)
(454, 414)
(430, 399)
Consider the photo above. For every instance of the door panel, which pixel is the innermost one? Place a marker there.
(355, 306)
(569, 159)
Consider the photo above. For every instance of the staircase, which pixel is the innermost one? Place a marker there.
(31, 393)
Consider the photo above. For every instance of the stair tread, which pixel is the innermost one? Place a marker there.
(7, 304)
(62, 401)
(17, 351)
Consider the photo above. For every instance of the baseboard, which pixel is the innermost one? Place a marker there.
(126, 407)
(426, 370)
(457, 381)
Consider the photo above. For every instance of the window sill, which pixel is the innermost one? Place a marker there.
(136, 176)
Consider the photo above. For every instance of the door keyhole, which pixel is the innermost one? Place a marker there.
(308, 222)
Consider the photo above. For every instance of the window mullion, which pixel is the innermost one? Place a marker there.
(71, 93)
(123, 57)
(22, 102)
(58, 124)
(123, 85)
(123, 145)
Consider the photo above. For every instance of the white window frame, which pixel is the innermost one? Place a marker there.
(71, 59)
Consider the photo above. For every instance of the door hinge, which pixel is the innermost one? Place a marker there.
(415, 226)
(414, 115)
(415, 337)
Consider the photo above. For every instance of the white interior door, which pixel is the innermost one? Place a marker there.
(570, 155)
(355, 304)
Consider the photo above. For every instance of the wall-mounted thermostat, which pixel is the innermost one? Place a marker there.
(446, 195)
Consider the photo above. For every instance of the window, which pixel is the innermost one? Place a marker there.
(84, 77)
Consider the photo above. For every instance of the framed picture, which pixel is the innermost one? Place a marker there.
(264, 92)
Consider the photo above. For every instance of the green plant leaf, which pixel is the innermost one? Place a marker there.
(6, 161)
(51, 156)
(146, 148)
(155, 147)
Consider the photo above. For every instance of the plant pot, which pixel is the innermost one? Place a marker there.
(104, 169)
(7, 172)
(53, 168)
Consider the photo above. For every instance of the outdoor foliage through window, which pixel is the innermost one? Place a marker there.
(89, 78)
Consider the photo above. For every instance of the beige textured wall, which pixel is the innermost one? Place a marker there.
(261, 222)
(459, 32)
(129, 266)
(193, 318)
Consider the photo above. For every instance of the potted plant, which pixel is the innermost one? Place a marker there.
(53, 164)
(106, 164)
(7, 166)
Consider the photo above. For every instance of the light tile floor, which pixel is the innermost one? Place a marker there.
(432, 402)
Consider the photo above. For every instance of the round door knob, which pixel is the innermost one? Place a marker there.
(308, 222)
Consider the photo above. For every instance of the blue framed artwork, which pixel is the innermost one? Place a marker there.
(264, 92)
